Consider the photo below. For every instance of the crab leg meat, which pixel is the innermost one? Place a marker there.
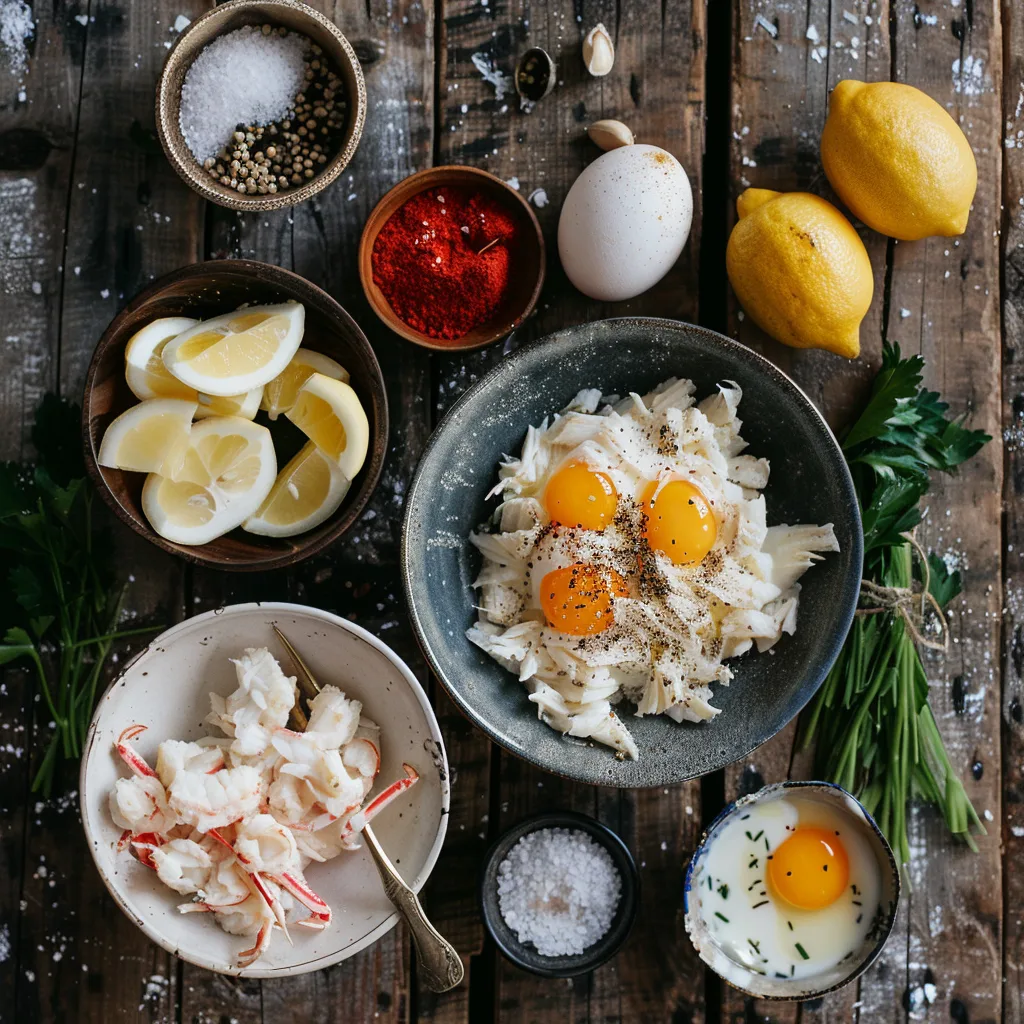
(378, 803)
(320, 912)
(128, 753)
(262, 944)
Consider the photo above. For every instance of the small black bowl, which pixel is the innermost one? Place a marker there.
(525, 955)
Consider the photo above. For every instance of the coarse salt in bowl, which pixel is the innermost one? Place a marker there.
(559, 894)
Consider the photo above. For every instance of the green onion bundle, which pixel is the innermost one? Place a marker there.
(874, 730)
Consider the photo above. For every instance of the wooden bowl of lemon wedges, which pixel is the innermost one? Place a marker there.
(235, 415)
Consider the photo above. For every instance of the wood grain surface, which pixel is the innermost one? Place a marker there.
(91, 212)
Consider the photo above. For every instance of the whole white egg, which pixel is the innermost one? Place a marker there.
(625, 222)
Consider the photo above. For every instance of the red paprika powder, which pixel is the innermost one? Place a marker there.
(428, 264)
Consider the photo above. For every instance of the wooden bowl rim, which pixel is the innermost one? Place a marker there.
(195, 177)
(376, 457)
(432, 177)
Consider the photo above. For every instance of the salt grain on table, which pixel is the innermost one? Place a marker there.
(558, 889)
(243, 77)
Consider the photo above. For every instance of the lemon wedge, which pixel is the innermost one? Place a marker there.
(150, 437)
(224, 476)
(143, 366)
(246, 405)
(236, 352)
(148, 377)
(308, 490)
(328, 412)
(279, 394)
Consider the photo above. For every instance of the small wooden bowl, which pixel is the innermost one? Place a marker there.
(225, 18)
(203, 290)
(529, 260)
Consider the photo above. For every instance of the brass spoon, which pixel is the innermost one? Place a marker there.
(440, 965)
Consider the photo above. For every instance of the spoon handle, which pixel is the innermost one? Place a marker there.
(440, 965)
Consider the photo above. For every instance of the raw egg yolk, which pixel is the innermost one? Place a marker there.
(680, 522)
(810, 869)
(578, 495)
(577, 599)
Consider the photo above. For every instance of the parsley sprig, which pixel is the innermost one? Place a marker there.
(874, 729)
(61, 605)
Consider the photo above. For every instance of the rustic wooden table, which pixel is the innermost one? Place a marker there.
(90, 211)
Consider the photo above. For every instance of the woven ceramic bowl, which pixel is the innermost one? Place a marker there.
(756, 983)
(809, 483)
(167, 688)
(204, 290)
(297, 17)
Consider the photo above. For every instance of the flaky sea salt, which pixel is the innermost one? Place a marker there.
(558, 889)
(243, 77)
(16, 26)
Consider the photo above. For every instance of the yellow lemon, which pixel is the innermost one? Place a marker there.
(800, 270)
(898, 160)
(329, 413)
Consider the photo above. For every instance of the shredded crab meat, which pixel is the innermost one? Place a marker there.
(233, 822)
(676, 625)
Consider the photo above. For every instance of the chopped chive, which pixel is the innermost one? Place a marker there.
(779, 974)
(711, 884)
(792, 969)
(744, 818)
(755, 946)
(860, 917)
(722, 916)
(854, 888)
(753, 863)
(723, 891)
(757, 881)
(749, 836)
(803, 952)
(761, 904)
(857, 903)
(790, 923)
(766, 846)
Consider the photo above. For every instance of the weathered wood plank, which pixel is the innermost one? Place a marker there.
(36, 141)
(780, 100)
(1012, 774)
(358, 578)
(657, 88)
(124, 217)
(951, 289)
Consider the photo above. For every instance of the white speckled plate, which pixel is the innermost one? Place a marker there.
(167, 687)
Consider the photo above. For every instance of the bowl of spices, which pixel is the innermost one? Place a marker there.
(452, 258)
(260, 104)
(559, 894)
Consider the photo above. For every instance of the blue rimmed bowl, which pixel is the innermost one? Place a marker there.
(760, 985)
(809, 483)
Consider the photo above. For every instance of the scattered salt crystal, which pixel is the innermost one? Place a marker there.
(539, 198)
(243, 77)
(763, 22)
(851, 18)
(812, 34)
(558, 889)
(105, 294)
(181, 23)
(513, 181)
(904, 313)
(82, 19)
(492, 74)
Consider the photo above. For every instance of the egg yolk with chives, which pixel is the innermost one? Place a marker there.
(680, 522)
(577, 599)
(579, 495)
(810, 869)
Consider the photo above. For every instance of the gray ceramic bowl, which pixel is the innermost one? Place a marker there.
(754, 983)
(809, 484)
(525, 955)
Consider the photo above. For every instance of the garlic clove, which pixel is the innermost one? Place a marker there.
(598, 51)
(609, 134)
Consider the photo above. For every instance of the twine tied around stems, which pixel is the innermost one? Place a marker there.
(909, 603)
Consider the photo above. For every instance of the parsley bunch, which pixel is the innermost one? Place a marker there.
(61, 606)
(875, 732)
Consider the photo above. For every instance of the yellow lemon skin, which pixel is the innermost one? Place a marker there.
(898, 160)
(800, 270)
